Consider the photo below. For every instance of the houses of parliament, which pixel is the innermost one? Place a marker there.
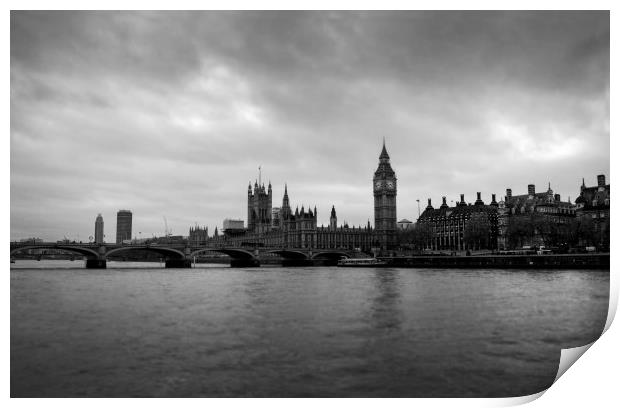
(283, 227)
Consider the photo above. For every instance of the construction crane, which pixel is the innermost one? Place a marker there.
(167, 233)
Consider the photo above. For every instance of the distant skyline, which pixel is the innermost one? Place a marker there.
(171, 113)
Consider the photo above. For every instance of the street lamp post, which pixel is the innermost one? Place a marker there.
(418, 200)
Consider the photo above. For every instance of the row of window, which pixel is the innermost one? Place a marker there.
(327, 239)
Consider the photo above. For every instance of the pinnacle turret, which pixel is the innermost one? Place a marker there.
(384, 156)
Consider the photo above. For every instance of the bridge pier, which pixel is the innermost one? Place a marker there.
(178, 263)
(244, 263)
(95, 263)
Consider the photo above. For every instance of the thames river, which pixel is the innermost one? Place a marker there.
(213, 331)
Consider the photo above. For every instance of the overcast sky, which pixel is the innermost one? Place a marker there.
(171, 113)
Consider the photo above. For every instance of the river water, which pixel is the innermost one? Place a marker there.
(295, 332)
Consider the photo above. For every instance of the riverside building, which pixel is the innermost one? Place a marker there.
(594, 201)
(299, 229)
(198, 235)
(544, 206)
(448, 225)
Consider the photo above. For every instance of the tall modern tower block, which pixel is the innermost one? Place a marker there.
(123, 226)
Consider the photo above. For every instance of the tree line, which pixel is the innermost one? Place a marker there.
(578, 231)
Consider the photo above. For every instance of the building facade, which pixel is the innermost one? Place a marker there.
(99, 229)
(384, 192)
(275, 218)
(539, 209)
(462, 227)
(230, 224)
(198, 235)
(299, 229)
(123, 225)
(594, 203)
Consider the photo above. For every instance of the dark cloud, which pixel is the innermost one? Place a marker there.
(170, 113)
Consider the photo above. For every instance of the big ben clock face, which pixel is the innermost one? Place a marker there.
(377, 184)
(390, 184)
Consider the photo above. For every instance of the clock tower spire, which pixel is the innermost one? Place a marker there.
(384, 191)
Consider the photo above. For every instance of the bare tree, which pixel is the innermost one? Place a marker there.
(520, 229)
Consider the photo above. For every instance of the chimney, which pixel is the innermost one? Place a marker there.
(601, 180)
(429, 206)
(557, 197)
(443, 204)
(478, 199)
(508, 194)
(531, 189)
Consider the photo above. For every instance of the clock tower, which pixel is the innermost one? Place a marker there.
(384, 191)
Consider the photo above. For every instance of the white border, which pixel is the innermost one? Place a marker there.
(593, 379)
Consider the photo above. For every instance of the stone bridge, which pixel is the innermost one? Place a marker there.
(181, 255)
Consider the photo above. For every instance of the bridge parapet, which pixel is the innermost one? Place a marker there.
(88, 251)
(180, 255)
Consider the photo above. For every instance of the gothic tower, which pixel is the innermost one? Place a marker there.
(259, 208)
(285, 210)
(384, 190)
(333, 220)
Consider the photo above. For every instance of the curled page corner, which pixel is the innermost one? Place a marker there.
(568, 358)
(613, 306)
(525, 399)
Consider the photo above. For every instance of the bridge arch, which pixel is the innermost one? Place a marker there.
(89, 253)
(330, 255)
(290, 254)
(201, 250)
(235, 253)
(171, 252)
